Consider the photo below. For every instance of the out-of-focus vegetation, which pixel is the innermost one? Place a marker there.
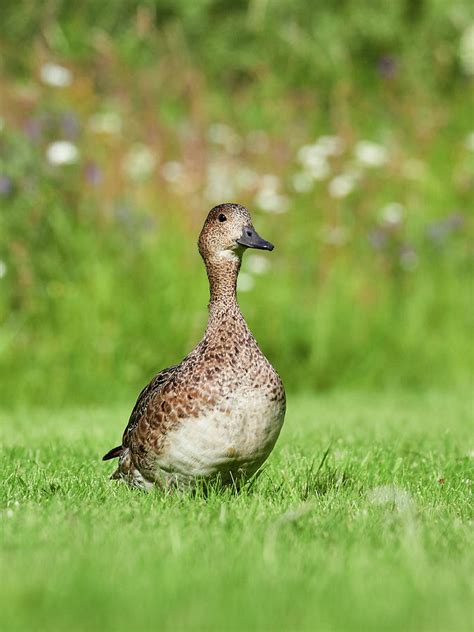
(346, 128)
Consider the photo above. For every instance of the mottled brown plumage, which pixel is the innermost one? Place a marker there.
(218, 412)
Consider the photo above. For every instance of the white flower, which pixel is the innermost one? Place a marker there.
(302, 182)
(466, 50)
(245, 282)
(408, 259)
(139, 162)
(271, 201)
(268, 198)
(219, 185)
(62, 152)
(222, 134)
(342, 185)
(246, 178)
(392, 214)
(314, 161)
(55, 75)
(3, 269)
(318, 168)
(172, 171)
(330, 145)
(270, 182)
(370, 154)
(469, 141)
(257, 264)
(106, 123)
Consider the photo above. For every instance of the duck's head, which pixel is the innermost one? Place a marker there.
(227, 232)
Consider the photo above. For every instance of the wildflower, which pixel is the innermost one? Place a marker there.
(392, 214)
(62, 152)
(245, 282)
(3, 269)
(33, 127)
(271, 201)
(387, 67)
(330, 145)
(219, 183)
(93, 174)
(109, 122)
(318, 167)
(268, 198)
(257, 264)
(6, 185)
(139, 162)
(466, 50)
(246, 178)
(469, 141)
(55, 75)
(302, 182)
(408, 258)
(224, 135)
(314, 161)
(70, 125)
(342, 185)
(172, 171)
(378, 239)
(371, 154)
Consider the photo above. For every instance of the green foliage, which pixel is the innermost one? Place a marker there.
(101, 283)
(377, 534)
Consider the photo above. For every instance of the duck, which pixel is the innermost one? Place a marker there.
(218, 413)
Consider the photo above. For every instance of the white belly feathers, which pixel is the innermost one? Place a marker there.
(234, 438)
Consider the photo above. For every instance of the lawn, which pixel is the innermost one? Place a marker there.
(361, 520)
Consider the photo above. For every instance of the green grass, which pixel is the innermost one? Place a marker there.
(375, 536)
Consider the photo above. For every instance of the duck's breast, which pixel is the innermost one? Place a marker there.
(236, 433)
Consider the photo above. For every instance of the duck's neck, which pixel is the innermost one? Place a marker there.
(222, 272)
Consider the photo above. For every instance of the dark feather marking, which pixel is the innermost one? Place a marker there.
(113, 454)
(153, 387)
(147, 393)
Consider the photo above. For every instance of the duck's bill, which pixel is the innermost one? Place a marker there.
(251, 239)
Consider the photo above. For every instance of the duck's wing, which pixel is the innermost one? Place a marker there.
(151, 389)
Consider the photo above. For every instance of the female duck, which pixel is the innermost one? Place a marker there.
(219, 412)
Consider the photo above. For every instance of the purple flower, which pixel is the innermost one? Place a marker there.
(438, 232)
(387, 66)
(93, 174)
(34, 128)
(6, 185)
(70, 126)
(378, 239)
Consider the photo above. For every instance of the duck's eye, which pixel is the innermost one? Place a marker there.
(222, 217)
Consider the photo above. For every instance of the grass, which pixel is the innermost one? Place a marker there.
(374, 535)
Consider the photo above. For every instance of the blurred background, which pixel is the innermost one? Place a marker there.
(345, 127)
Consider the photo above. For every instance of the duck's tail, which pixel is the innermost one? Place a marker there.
(126, 469)
(113, 454)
